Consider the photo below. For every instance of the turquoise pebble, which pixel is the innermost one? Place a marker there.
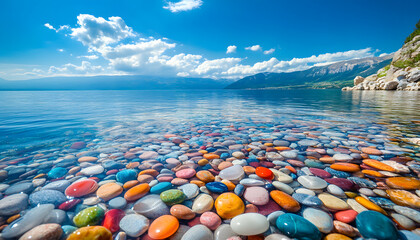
(295, 226)
(57, 172)
(160, 187)
(375, 225)
(126, 175)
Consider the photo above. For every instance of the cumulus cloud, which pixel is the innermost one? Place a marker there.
(90, 57)
(96, 32)
(254, 48)
(183, 5)
(231, 49)
(266, 52)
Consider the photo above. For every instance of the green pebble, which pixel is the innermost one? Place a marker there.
(89, 217)
(172, 197)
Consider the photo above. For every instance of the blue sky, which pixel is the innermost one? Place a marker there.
(192, 37)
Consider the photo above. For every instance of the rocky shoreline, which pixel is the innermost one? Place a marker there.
(402, 74)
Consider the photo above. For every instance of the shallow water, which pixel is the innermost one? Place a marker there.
(34, 120)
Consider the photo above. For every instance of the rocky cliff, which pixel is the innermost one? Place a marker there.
(403, 73)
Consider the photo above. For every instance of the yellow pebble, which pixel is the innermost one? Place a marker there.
(369, 205)
(351, 194)
(40, 175)
(13, 218)
(203, 162)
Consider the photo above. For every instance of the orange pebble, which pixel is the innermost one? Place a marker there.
(285, 201)
(203, 162)
(205, 176)
(137, 192)
(151, 172)
(198, 183)
(211, 156)
(373, 173)
(130, 184)
(345, 167)
(163, 227)
(251, 208)
(229, 184)
(132, 165)
(292, 169)
(282, 148)
(249, 170)
(406, 183)
(369, 205)
(378, 165)
(203, 151)
(13, 218)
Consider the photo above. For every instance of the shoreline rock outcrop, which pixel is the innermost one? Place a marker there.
(403, 73)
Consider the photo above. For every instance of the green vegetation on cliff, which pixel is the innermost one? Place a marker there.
(413, 34)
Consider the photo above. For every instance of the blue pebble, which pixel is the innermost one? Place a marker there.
(364, 183)
(112, 165)
(239, 190)
(117, 203)
(57, 172)
(336, 173)
(293, 176)
(375, 225)
(68, 229)
(383, 202)
(217, 187)
(224, 155)
(269, 187)
(307, 200)
(47, 197)
(300, 173)
(407, 235)
(126, 175)
(160, 187)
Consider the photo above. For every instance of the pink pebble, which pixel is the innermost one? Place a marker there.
(179, 181)
(210, 220)
(186, 173)
(165, 179)
(256, 195)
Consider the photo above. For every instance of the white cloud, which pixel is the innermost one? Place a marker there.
(49, 26)
(215, 67)
(183, 5)
(96, 32)
(60, 50)
(231, 49)
(86, 68)
(266, 52)
(254, 48)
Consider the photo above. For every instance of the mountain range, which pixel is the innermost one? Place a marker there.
(335, 75)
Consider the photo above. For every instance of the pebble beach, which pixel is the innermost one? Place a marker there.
(295, 174)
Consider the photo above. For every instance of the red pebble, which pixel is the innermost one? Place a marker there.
(346, 216)
(320, 173)
(81, 188)
(112, 219)
(67, 205)
(265, 173)
(194, 222)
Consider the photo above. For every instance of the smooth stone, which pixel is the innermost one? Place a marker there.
(50, 231)
(190, 190)
(81, 188)
(283, 187)
(186, 173)
(319, 218)
(406, 183)
(256, 195)
(264, 173)
(112, 219)
(272, 217)
(198, 232)
(182, 212)
(307, 142)
(117, 203)
(228, 205)
(276, 236)
(307, 200)
(172, 196)
(91, 233)
(126, 175)
(60, 185)
(248, 224)
(134, 225)
(13, 204)
(160, 187)
(342, 183)
(233, 173)
(217, 187)
(203, 203)
(163, 227)
(285, 201)
(249, 182)
(210, 220)
(109, 191)
(356, 206)
(151, 206)
(403, 221)
(312, 182)
(295, 226)
(67, 230)
(408, 212)
(31, 219)
(305, 191)
(56, 216)
(89, 216)
(47, 197)
(335, 190)
(340, 157)
(57, 172)
(180, 232)
(92, 170)
(333, 202)
(346, 216)
(404, 198)
(224, 232)
(372, 224)
(24, 187)
(137, 192)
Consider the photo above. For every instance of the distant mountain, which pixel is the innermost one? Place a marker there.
(113, 83)
(335, 75)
